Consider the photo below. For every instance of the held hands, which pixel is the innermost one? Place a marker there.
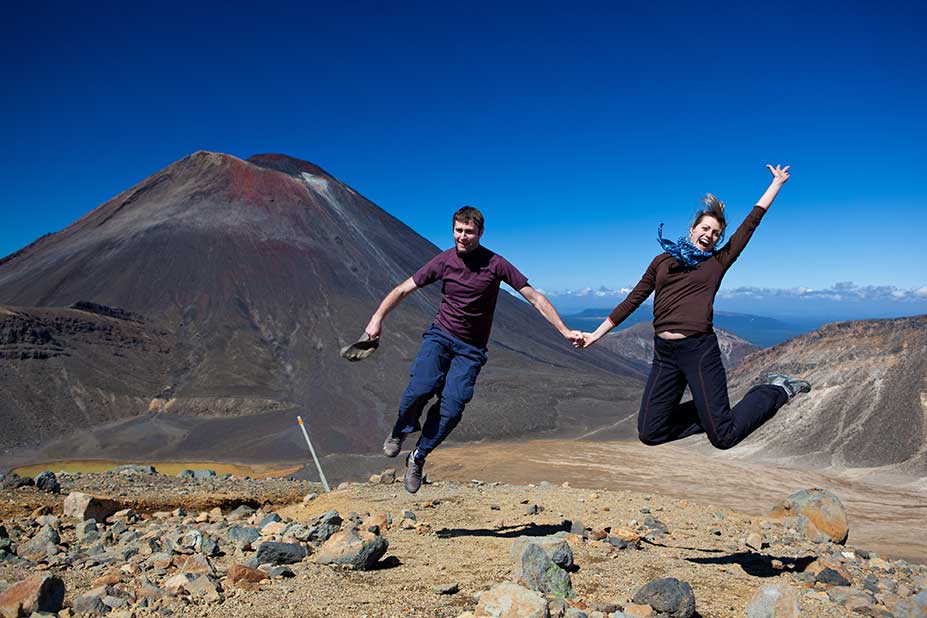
(780, 174)
(589, 339)
(575, 337)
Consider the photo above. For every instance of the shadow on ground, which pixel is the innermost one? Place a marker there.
(505, 532)
(760, 565)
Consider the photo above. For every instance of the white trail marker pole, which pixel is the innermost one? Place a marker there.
(318, 466)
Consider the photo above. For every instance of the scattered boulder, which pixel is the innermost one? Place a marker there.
(280, 571)
(774, 601)
(200, 586)
(39, 593)
(556, 548)
(358, 549)
(272, 552)
(242, 511)
(240, 572)
(534, 569)
(668, 596)
(831, 577)
(197, 564)
(269, 519)
(852, 599)
(508, 600)
(447, 588)
(817, 513)
(134, 469)
(48, 482)
(89, 605)
(324, 526)
(204, 474)
(14, 481)
(242, 535)
(42, 545)
(189, 542)
(82, 506)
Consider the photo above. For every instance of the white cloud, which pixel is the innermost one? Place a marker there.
(842, 291)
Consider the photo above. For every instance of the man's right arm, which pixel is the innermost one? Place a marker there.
(388, 304)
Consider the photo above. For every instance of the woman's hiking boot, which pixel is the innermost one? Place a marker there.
(792, 386)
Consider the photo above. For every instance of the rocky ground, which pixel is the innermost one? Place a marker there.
(210, 546)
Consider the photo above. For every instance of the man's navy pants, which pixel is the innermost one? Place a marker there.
(696, 361)
(446, 367)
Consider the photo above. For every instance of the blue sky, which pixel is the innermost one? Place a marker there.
(576, 128)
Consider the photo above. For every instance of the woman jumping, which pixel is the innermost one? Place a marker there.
(686, 278)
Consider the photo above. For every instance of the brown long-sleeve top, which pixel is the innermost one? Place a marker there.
(684, 298)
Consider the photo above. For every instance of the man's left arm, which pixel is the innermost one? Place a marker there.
(543, 306)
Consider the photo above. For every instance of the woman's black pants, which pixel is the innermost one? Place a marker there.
(696, 361)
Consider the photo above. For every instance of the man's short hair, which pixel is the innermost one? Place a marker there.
(469, 214)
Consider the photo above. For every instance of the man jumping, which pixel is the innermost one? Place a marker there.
(454, 347)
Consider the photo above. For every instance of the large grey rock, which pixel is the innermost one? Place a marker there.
(204, 474)
(323, 527)
(82, 506)
(272, 552)
(774, 601)
(42, 545)
(534, 569)
(668, 596)
(556, 548)
(831, 577)
(508, 600)
(89, 605)
(48, 482)
(241, 534)
(360, 550)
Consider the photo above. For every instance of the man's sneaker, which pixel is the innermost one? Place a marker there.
(392, 445)
(792, 386)
(414, 473)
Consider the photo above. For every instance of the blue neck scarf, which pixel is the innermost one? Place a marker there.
(683, 251)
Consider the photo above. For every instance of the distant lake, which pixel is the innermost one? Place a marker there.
(758, 330)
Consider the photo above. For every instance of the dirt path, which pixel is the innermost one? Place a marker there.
(883, 518)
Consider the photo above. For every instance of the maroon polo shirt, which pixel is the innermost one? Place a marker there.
(470, 288)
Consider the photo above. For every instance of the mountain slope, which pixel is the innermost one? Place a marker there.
(258, 271)
(868, 408)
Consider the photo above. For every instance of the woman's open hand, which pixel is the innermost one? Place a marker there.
(780, 174)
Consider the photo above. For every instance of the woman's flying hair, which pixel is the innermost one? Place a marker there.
(713, 207)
